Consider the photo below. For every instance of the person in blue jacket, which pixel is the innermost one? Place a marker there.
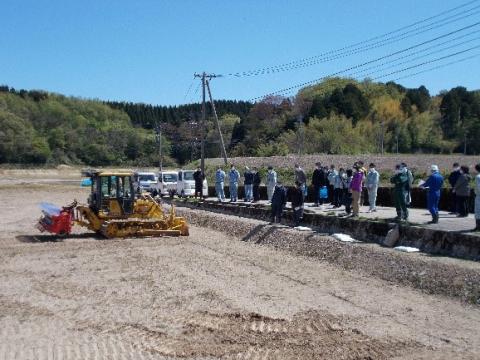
(434, 184)
(234, 178)
(219, 183)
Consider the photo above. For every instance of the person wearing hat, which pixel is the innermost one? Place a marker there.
(434, 185)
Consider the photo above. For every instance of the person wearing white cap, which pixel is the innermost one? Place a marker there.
(434, 185)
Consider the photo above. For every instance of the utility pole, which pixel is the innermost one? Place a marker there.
(382, 137)
(159, 142)
(300, 134)
(204, 77)
(222, 144)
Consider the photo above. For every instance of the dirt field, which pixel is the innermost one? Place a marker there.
(207, 296)
(419, 162)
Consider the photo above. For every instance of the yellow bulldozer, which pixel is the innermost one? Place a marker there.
(115, 209)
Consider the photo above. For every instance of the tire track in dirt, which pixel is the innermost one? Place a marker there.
(311, 335)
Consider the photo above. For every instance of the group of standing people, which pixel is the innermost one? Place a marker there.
(346, 187)
(251, 183)
(460, 181)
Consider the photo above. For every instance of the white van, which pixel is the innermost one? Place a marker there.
(167, 183)
(146, 181)
(186, 184)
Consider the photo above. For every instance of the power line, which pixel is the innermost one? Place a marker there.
(438, 67)
(195, 92)
(188, 90)
(311, 82)
(354, 48)
(346, 54)
(427, 62)
(373, 46)
(394, 63)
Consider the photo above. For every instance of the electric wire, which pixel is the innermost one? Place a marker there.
(366, 63)
(395, 63)
(355, 47)
(336, 57)
(437, 67)
(427, 62)
(188, 90)
(192, 99)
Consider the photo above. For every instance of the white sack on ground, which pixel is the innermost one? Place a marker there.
(344, 237)
(407, 249)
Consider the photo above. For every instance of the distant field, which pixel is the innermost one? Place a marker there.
(418, 162)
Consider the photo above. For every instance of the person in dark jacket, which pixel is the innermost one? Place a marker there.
(296, 195)
(401, 188)
(256, 185)
(319, 179)
(462, 191)
(248, 184)
(452, 180)
(279, 199)
(434, 185)
(301, 177)
(198, 176)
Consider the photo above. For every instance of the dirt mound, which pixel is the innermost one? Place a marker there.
(311, 335)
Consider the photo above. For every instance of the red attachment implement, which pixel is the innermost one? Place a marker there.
(55, 220)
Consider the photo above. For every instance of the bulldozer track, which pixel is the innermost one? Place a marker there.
(136, 228)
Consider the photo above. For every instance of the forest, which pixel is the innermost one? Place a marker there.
(337, 116)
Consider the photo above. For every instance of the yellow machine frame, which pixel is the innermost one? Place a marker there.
(115, 210)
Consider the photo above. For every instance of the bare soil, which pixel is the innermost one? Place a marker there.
(418, 162)
(207, 296)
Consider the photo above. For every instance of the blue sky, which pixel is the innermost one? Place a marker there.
(147, 51)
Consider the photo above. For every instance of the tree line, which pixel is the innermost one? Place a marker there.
(337, 116)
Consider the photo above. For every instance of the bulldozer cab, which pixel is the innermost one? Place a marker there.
(112, 193)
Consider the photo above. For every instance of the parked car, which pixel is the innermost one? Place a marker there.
(146, 181)
(186, 184)
(167, 183)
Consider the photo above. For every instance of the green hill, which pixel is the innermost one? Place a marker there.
(338, 116)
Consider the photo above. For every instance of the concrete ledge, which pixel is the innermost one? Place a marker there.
(436, 242)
